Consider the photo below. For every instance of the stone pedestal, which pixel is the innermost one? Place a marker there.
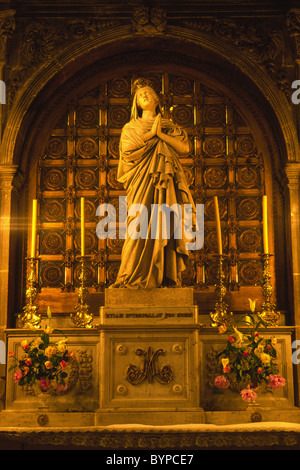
(149, 356)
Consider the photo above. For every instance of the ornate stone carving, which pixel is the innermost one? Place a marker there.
(53, 210)
(51, 275)
(87, 147)
(150, 369)
(52, 242)
(262, 41)
(7, 27)
(149, 20)
(85, 378)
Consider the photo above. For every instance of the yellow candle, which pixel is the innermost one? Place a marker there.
(82, 227)
(265, 225)
(33, 228)
(219, 235)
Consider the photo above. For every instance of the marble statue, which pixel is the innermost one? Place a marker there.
(152, 174)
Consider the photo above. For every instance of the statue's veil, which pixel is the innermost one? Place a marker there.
(136, 111)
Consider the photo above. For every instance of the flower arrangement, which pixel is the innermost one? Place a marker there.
(43, 363)
(248, 360)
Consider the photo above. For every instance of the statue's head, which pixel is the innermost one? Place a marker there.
(140, 86)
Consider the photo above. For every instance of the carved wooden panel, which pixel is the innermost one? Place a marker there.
(81, 159)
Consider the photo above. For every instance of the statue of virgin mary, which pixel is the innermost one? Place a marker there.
(152, 175)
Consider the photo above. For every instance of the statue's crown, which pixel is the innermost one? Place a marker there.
(140, 83)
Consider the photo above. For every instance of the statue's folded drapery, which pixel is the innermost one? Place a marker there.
(152, 174)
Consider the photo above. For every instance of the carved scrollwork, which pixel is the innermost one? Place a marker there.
(149, 20)
(150, 369)
(54, 179)
(86, 178)
(248, 208)
(249, 240)
(87, 147)
(56, 147)
(87, 116)
(51, 275)
(53, 210)
(52, 242)
(215, 177)
(251, 272)
(214, 146)
(214, 115)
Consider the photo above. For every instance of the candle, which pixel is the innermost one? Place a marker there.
(218, 225)
(82, 226)
(265, 225)
(33, 228)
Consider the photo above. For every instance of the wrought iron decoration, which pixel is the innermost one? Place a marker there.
(150, 370)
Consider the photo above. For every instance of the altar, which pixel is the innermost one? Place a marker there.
(149, 360)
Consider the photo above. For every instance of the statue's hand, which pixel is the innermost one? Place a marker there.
(156, 125)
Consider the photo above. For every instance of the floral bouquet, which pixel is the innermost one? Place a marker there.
(248, 361)
(43, 363)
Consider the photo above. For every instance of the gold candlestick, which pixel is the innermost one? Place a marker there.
(268, 312)
(82, 318)
(31, 318)
(221, 316)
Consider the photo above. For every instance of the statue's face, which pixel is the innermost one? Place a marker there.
(146, 98)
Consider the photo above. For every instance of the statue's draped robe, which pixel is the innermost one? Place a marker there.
(152, 174)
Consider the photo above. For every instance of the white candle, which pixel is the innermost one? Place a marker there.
(219, 235)
(265, 225)
(33, 228)
(82, 227)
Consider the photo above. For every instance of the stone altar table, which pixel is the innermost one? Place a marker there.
(148, 361)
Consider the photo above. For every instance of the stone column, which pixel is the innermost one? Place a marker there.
(292, 171)
(6, 177)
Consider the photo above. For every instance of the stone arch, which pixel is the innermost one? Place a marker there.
(121, 39)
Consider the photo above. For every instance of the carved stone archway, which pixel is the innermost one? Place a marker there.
(51, 85)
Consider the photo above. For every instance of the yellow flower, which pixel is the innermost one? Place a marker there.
(274, 341)
(36, 342)
(252, 304)
(259, 351)
(239, 340)
(48, 365)
(48, 330)
(25, 344)
(225, 361)
(61, 345)
(222, 329)
(50, 351)
(265, 358)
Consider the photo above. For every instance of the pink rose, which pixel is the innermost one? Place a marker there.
(61, 388)
(18, 375)
(248, 394)
(63, 364)
(221, 382)
(276, 381)
(44, 384)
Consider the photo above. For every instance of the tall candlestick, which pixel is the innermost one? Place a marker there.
(219, 235)
(265, 225)
(33, 228)
(82, 227)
